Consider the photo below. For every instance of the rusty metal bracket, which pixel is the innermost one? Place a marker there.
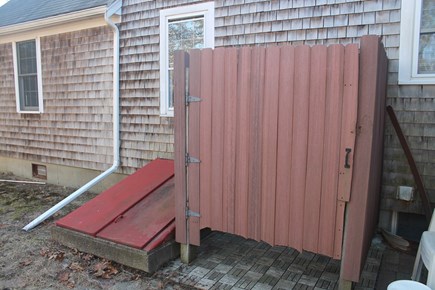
(192, 99)
(190, 159)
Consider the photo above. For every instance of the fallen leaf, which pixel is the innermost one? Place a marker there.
(58, 256)
(25, 263)
(105, 270)
(63, 276)
(87, 257)
(76, 267)
(44, 252)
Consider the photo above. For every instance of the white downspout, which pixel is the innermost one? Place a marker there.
(116, 139)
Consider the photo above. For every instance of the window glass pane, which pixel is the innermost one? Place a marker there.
(427, 16)
(182, 35)
(426, 51)
(27, 57)
(426, 54)
(28, 91)
(171, 88)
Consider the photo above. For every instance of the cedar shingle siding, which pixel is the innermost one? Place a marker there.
(76, 126)
(245, 22)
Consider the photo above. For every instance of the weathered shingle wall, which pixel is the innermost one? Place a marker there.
(76, 126)
(247, 22)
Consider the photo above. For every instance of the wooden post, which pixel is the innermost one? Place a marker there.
(181, 62)
(362, 210)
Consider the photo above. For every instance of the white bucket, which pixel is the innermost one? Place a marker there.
(407, 285)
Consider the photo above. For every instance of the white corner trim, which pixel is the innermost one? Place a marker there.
(54, 20)
(207, 10)
(409, 45)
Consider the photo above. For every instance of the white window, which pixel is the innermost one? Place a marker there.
(417, 42)
(181, 28)
(28, 81)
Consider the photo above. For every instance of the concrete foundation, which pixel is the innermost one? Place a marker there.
(60, 175)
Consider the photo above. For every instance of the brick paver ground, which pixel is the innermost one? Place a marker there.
(227, 261)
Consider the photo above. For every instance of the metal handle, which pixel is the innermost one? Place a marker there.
(346, 161)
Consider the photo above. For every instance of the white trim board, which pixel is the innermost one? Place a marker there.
(409, 45)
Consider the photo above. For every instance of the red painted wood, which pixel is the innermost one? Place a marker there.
(205, 128)
(217, 146)
(348, 135)
(269, 145)
(299, 146)
(194, 146)
(349, 118)
(255, 135)
(334, 96)
(285, 141)
(140, 224)
(339, 229)
(243, 129)
(165, 235)
(181, 62)
(229, 165)
(103, 209)
(362, 208)
(316, 133)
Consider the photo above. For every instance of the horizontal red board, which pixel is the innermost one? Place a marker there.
(99, 212)
(165, 235)
(140, 224)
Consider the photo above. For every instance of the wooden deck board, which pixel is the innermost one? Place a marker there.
(96, 214)
(139, 225)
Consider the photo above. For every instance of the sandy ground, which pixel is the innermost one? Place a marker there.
(32, 260)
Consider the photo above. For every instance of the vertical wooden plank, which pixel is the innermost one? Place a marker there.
(330, 170)
(284, 150)
(218, 120)
(243, 129)
(316, 132)
(254, 199)
(299, 147)
(229, 165)
(339, 229)
(205, 128)
(349, 117)
(348, 133)
(360, 222)
(269, 144)
(181, 61)
(193, 146)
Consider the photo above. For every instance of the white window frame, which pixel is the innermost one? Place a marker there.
(409, 45)
(204, 9)
(39, 77)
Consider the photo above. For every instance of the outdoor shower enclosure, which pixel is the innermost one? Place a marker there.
(282, 144)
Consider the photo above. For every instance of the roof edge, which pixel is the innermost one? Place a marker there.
(53, 20)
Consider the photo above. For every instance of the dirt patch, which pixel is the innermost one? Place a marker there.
(32, 260)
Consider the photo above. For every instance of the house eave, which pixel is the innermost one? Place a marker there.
(53, 20)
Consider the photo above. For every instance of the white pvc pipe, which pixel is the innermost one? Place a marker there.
(116, 139)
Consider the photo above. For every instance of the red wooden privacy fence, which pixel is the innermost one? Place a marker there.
(265, 143)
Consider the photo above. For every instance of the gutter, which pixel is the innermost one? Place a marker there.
(112, 10)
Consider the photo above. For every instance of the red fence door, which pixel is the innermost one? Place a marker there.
(264, 143)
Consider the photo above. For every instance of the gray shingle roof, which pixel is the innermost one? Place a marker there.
(20, 11)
